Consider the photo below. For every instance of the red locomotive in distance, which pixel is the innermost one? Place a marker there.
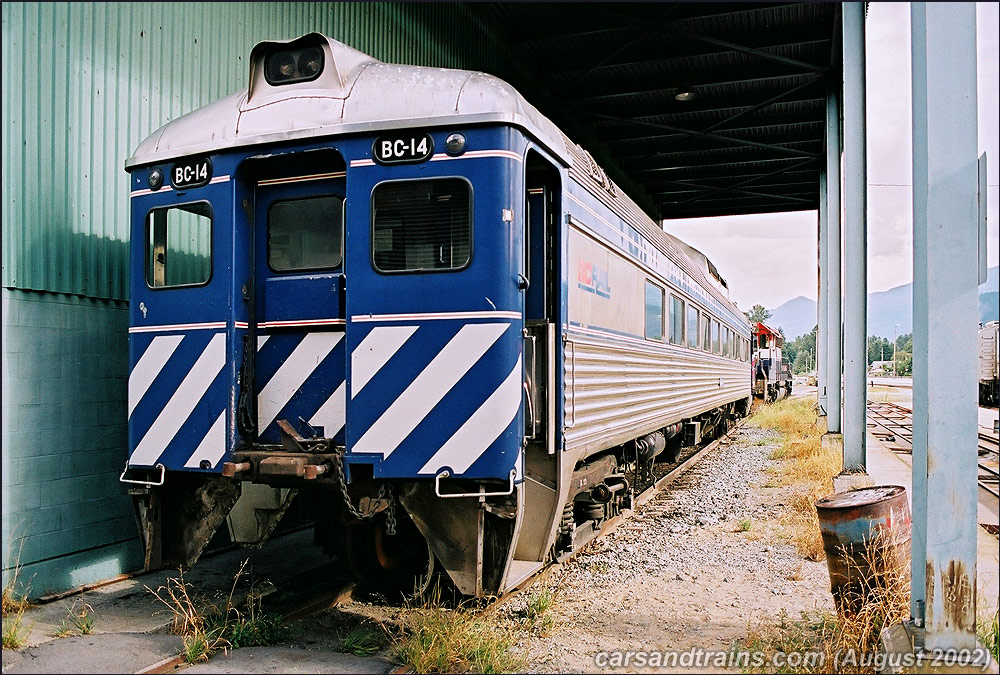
(770, 373)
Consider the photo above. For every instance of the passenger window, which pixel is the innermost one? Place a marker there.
(715, 337)
(654, 311)
(692, 327)
(725, 341)
(706, 334)
(421, 225)
(305, 234)
(676, 320)
(179, 245)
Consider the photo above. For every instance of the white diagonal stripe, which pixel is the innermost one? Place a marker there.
(149, 366)
(261, 339)
(182, 403)
(213, 446)
(484, 426)
(374, 351)
(332, 413)
(292, 374)
(429, 387)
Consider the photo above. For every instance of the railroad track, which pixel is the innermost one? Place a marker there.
(297, 598)
(893, 423)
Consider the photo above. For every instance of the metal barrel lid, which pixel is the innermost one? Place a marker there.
(861, 497)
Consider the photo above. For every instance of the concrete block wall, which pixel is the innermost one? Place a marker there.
(66, 519)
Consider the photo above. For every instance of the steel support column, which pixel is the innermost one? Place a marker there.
(945, 320)
(832, 340)
(822, 281)
(855, 238)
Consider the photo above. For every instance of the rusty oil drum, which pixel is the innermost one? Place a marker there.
(866, 538)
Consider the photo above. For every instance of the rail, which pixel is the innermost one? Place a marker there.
(893, 423)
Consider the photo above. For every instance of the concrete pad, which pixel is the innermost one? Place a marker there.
(97, 653)
(128, 606)
(887, 467)
(845, 482)
(832, 440)
(290, 660)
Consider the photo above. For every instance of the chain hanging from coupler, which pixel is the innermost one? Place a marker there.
(384, 492)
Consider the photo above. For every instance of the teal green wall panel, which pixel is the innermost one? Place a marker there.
(65, 374)
(84, 83)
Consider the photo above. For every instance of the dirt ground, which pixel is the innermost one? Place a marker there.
(691, 570)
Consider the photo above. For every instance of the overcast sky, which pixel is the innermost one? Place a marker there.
(784, 244)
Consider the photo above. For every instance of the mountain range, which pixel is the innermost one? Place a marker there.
(885, 310)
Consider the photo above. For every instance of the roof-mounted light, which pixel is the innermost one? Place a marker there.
(288, 66)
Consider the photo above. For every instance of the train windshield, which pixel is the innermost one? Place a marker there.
(422, 225)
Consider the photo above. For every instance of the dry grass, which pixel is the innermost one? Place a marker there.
(804, 470)
(15, 603)
(436, 639)
(803, 466)
(850, 638)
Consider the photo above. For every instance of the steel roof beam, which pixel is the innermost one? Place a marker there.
(627, 136)
(730, 139)
(750, 50)
(657, 152)
(709, 168)
(679, 57)
(713, 78)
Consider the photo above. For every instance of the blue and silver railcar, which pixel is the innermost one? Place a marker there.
(399, 302)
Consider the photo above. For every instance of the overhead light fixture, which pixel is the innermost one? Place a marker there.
(685, 92)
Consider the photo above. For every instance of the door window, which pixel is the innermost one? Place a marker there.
(305, 234)
(179, 245)
(422, 225)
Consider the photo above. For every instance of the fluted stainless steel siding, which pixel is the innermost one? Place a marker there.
(84, 83)
(618, 389)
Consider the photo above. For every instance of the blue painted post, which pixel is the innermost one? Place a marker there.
(833, 296)
(945, 320)
(855, 238)
(822, 280)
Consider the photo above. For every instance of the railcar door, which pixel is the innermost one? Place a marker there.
(434, 321)
(299, 308)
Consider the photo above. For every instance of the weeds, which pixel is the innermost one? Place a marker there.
(81, 619)
(362, 641)
(744, 525)
(465, 639)
(15, 603)
(988, 632)
(206, 628)
(536, 612)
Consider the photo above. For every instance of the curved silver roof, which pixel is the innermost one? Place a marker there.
(354, 93)
(350, 96)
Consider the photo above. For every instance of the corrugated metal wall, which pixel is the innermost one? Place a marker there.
(84, 83)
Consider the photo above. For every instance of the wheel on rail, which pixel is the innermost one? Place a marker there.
(396, 566)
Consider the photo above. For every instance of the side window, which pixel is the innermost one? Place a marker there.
(305, 234)
(706, 333)
(179, 245)
(692, 326)
(676, 320)
(715, 337)
(654, 311)
(422, 225)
